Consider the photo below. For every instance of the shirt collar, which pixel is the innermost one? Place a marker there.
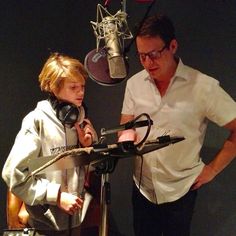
(181, 71)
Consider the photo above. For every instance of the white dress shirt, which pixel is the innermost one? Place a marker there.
(191, 99)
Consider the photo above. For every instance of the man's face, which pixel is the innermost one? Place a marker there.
(157, 57)
(72, 92)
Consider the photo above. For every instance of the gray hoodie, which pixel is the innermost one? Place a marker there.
(42, 134)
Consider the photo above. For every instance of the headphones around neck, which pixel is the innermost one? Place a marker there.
(67, 112)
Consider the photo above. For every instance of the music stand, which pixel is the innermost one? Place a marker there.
(104, 158)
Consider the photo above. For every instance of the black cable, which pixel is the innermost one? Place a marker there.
(141, 172)
(148, 129)
(126, 50)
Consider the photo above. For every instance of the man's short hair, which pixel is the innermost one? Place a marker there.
(157, 25)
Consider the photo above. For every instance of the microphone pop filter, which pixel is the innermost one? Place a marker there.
(96, 64)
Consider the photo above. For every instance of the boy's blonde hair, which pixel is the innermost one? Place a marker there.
(59, 68)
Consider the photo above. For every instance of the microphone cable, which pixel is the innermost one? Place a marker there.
(141, 173)
(150, 122)
(127, 49)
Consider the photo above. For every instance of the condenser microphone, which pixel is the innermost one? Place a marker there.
(107, 64)
(113, 45)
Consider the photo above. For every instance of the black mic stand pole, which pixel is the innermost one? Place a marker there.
(109, 166)
(105, 168)
(104, 201)
(105, 187)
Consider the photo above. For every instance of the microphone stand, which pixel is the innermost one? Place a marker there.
(104, 201)
(105, 168)
(124, 150)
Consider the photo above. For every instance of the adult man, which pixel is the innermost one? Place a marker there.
(180, 101)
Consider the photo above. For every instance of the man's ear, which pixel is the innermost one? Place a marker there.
(173, 46)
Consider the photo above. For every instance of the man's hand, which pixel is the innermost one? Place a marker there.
(205, 176)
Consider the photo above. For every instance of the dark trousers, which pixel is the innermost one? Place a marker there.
(167, 219)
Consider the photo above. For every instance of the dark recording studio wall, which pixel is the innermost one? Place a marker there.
(206, 31)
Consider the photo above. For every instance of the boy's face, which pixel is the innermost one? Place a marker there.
(72, 92)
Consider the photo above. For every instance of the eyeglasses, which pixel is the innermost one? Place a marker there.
(154, 54)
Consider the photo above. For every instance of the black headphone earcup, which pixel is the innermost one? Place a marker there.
(67, 113)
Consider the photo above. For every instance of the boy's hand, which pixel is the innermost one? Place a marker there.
(69, 203)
